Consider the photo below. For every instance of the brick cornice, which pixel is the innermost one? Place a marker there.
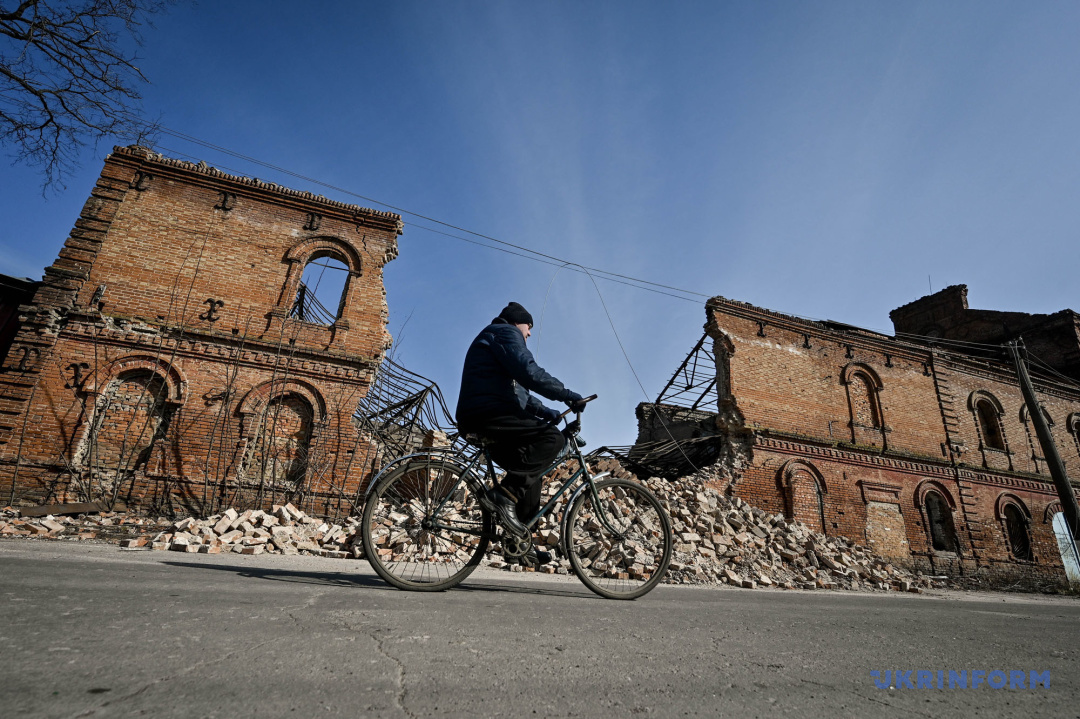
(254, 353)
(998, 371)
(854, 457)
(857, 337)
(200, 174)
(921, 468)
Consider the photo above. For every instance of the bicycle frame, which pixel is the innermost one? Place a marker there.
(467, 470)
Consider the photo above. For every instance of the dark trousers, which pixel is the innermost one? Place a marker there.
(524, 447)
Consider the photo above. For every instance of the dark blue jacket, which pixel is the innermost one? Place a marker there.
(498, 375)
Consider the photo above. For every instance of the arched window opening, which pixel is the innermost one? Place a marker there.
(279, 451)
(864, 403)
(806, 497)
(131, 417)
(939, 522)
(864, 407)
(989, 425)
(320, 298)
(1016, 532)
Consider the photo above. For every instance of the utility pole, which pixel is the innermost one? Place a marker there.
(1046, 441)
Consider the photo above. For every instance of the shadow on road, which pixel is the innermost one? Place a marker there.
(345, 579)
(517, 589)
(334, 579)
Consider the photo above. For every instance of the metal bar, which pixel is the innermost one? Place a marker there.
(702, 395)
(551, 503)
(682, 367)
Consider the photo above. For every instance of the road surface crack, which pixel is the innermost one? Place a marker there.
(306, 605)
(380, 647)
(400, 698)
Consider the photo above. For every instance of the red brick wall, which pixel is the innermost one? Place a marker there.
(796, 380)
(187, 275)
(791, 382)
(1025, 455)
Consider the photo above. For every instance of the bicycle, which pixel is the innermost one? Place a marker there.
(424, 528)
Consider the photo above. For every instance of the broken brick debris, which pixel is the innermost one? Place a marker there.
(718, 539)
(283, 530)
(724, 540)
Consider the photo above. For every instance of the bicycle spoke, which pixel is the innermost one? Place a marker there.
(621, 545)
(410, 546)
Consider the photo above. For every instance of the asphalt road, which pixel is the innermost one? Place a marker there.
(91, 631)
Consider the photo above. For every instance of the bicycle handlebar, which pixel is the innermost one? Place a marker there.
(590, 398)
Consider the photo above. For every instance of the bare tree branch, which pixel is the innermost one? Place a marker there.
(68, 78)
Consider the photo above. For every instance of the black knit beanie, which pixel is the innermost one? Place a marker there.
(515, 314)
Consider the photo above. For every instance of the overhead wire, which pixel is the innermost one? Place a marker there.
(523, 251)
(247, 158)
(540, 259)
(633, 371)
(946, 341)
(1057, 376)
(543, 309)
(560, 263)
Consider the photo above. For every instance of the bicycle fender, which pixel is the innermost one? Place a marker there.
(399, 460)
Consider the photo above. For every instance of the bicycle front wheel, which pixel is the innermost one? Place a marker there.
(423, 528)
(620, 547)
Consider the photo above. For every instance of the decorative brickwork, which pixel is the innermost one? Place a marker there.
(158, 362)
(922, 452)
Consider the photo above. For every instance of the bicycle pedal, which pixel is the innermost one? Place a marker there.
(514, 547)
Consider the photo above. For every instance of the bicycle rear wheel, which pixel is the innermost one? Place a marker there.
(629, 561)
(422, 525)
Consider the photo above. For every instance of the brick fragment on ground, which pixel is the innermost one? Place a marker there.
(719, 539)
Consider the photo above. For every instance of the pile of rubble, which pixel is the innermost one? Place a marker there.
(718, 539)
(724, 540)
(721, 539)
(285, 530)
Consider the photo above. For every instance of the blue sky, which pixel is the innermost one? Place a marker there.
(821, 159)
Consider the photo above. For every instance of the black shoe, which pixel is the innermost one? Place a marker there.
(533, 558)
(539, 557)
(505, 508)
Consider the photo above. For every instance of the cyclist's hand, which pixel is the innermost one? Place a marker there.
(576, 402)
(549, 415)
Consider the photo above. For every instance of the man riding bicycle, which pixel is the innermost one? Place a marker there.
(495, 403)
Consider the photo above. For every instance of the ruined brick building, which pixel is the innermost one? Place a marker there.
(169, 359)
(918, 445)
